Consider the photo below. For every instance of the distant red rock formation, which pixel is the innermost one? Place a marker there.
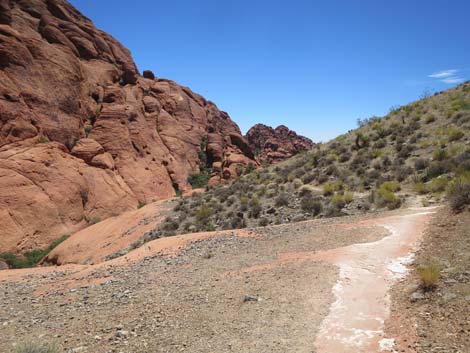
(275, 145)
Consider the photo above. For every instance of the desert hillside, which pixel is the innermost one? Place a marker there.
(421, 149)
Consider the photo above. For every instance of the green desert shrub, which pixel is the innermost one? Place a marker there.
(338, 201)
(282, 200)
(440, 154)
(458, 192)
(263, 222)
(30, 258)
(437, 168)
(420, 188)
(391, 186)
(310, 205)
(203, 213)
(348, 196)
(385, 195)
(230, 200)
(170, 224)
(306, 190)
(255, 211)
(429, 273)
(430, 119)
(402, 172)
(455, 134)
(421, 164)
(438, 184)
(330, 188)
(297, 183)
(36, 347)
(198, 180)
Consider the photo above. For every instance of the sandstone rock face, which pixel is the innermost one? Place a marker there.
(87, 149)
(83, 136)
(274, 145)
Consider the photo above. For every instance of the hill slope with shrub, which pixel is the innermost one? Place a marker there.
(421, 149)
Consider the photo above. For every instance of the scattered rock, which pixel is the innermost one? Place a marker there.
(250, 298)
(149, 74)
(418, 295)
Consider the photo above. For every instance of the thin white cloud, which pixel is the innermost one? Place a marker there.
(444, 73)
(448, 76)
(451, 80)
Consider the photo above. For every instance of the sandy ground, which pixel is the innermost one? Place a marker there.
(272, 289)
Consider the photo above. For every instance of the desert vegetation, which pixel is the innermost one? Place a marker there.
(418, 149)
(30, 258)
(34, 347)
(429, 273)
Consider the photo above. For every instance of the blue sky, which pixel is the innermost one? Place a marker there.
(315, 66)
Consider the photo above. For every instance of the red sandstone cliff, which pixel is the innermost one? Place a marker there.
(83, 136)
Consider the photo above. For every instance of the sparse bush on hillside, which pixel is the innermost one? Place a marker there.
(420, 188)
(297, 183)
(348, 197)
(421, 164)
(392, 186)
(437, 168)
(402, 172)
(458, 192)
(263, 222)
(385, 197)
(455, 134)
(311, 205)
(338, 201)
(438, 184)
(330, 188)
(204, 213)
(306, 190)
(170, 224)
(440, 154)
(430, 119)
(282, 200)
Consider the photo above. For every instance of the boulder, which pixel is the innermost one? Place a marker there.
(86, 149)
(149, 74)
(104, 160)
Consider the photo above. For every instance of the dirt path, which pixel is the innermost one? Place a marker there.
(316, 286)
(367, 272)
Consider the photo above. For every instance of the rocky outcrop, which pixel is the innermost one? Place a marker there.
(83, 136)
(275, 145)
